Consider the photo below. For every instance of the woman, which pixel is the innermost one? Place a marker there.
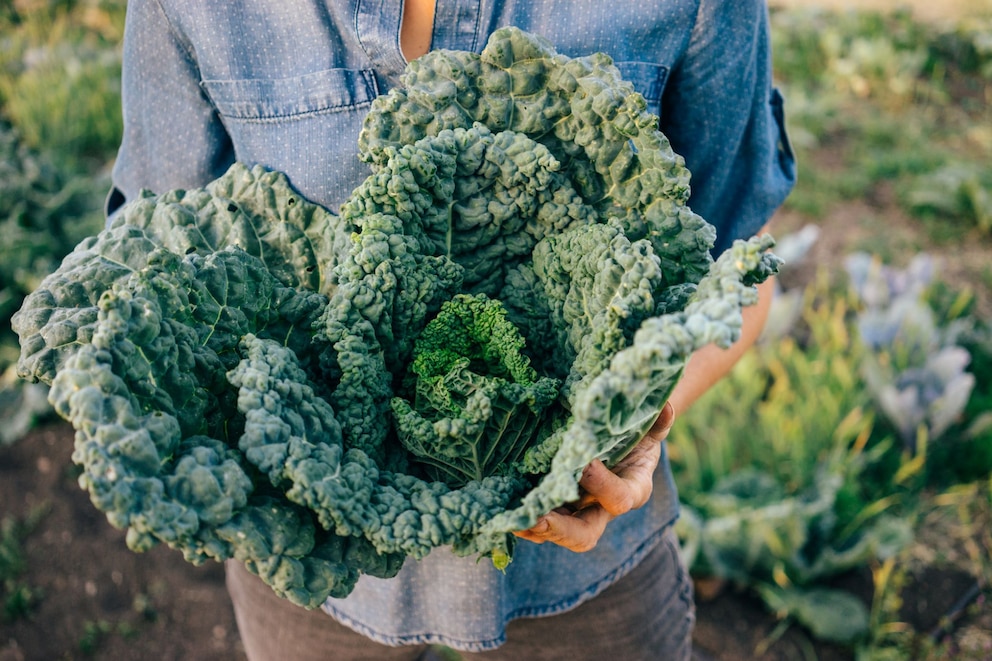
(287, 84)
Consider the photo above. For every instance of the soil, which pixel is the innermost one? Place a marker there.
(86, 596)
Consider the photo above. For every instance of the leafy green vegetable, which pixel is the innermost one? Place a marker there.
(477, 401)
(320, 396)
(589, 118)
(831, 615)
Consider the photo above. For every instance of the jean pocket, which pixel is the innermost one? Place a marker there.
(648, 79)
(261, 100)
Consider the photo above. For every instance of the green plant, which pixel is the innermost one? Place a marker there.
(773, 467)
(958, 191)
(470, 376)
(43, 215)
(966, 47)
(771, 387)
(230, 355)
(878, 101)
(951, 523)
(93, 634)
(70, 100)
(879, 55)
(914, 367)
(58, 123)
(18, 597)
(965, 454)
(59, 80)
(928, 356)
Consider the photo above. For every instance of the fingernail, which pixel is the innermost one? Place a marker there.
(541, 526)
(587, 471)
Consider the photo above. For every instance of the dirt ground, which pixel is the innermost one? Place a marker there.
(94, 598)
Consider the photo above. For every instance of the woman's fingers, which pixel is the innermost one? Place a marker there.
(617, 493)
(630, 483)
(606, 493)
(578, 531)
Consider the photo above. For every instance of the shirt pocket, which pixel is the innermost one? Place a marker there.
(279, 99)
(305, 126)
(648, 79)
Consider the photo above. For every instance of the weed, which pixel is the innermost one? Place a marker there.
(94, 632)
(18, 597)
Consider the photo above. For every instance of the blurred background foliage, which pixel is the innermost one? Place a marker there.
(866, 409)
(861, 421)
(60, 125)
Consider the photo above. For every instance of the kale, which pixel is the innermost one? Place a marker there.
(512, 293)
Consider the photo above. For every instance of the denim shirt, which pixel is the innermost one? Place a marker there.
(287, 83)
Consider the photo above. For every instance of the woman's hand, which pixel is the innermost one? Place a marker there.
(606, 494)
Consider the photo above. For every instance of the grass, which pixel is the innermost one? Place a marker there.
(18, 597)
(60, 125)
(883, 100)
(59, 79)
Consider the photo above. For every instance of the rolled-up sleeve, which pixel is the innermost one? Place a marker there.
(172, 136)
(725, 117)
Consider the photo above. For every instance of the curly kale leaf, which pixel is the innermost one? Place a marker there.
(476, 401)
(194, 311)
(290, 435)
(589, 118)
(293, 437)
(253, 209)
(452, 212)
(479, 198)
(622, 401)
(58, 318)
(613, 409)
(135, 341)
(193, 493)
(594, 287)
(387, 288)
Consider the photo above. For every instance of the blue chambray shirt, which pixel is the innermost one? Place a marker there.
(287, 83)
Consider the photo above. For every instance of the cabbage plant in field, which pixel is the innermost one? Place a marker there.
(915, 369)
(511, 293)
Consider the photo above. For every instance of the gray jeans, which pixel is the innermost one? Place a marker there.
(646, 615)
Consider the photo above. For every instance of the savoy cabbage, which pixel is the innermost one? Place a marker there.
(511, 293)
